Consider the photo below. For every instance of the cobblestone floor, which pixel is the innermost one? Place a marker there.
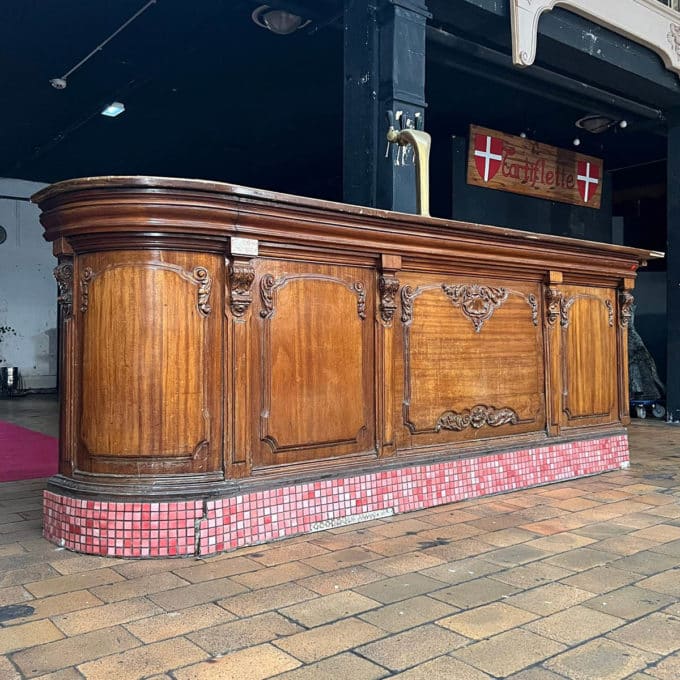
(574, 580)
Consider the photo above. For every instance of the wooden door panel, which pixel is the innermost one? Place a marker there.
(589, 357)
(316, 369)
(473, 360)
(150, 364)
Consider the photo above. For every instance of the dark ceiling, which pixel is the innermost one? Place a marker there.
(209, 94)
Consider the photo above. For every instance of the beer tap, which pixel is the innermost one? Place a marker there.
(419, 141)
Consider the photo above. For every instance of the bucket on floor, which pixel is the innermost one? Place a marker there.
(9, 380)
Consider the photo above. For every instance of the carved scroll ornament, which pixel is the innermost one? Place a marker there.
(476, 417)
(478, 303)
(241, 277)
(202, 278)
(267, 295)
(647, 22)
(63, 273)
(360, 291)
(610, 312)
(85, 279)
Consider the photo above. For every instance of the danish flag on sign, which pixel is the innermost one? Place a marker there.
(488, 156)
(587, 179)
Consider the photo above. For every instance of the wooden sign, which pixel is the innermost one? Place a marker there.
(522, 166)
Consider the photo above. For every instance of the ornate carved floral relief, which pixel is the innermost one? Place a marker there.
(478, 303)
(476, 417)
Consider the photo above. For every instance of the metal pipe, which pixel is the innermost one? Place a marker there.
(111, 37)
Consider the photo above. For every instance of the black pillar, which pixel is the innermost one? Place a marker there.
(673, 270)
(384, 71)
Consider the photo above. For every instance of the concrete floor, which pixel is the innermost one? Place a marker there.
(574, 580)
(36, 412)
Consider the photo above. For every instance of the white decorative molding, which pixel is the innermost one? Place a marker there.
(647, 22)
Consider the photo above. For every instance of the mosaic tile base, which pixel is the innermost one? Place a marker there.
(205, 527)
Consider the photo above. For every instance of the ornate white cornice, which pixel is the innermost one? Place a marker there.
(647, 22)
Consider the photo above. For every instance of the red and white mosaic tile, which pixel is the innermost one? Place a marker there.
(206, 527)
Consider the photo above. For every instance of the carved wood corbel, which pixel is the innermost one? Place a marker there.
(388, 285)
(63, 273)
(626, 302)
(241, 274)
(553, 304)
(241, 277)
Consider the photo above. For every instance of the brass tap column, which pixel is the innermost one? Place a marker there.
(420, 141)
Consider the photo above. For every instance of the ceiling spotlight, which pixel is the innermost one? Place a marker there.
(623, 124)
(597, 123)
(278, 20)
(113, 109)
(576, 142)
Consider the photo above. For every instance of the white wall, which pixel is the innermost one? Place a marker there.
(28, 291)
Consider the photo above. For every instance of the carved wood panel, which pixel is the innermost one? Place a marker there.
(588, 356)
(472, 359)
(315, 335)
(151, 363)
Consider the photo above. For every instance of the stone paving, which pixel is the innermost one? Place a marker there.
(574, 580)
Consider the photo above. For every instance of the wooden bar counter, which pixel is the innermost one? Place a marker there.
(239, 365)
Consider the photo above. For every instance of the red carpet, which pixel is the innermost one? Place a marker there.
(25, 454)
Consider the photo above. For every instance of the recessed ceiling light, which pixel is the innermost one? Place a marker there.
(113, 109)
